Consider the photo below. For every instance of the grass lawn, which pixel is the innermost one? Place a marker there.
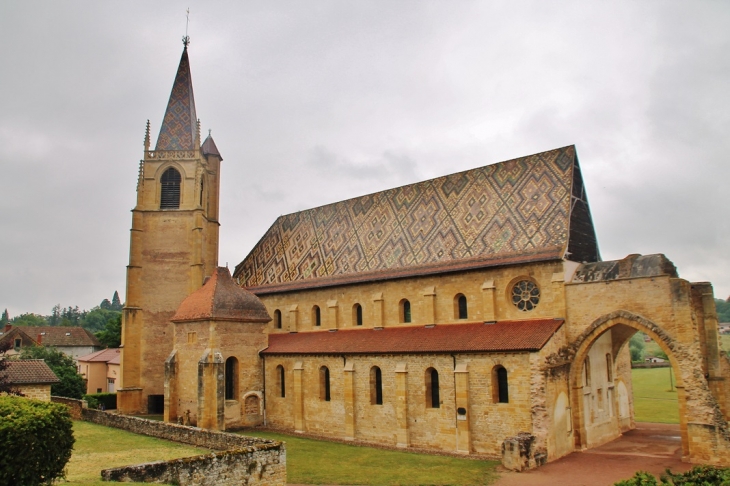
(98, 447)
(319, 462)
(653, 400)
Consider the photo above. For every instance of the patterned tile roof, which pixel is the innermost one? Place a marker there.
(220, 298)
(179, 126)
(528, 209)
(110, 355)
(530, 335)
(23, 371)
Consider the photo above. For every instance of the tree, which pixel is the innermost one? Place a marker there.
(116, 302)
(5, 385)
(72, 384)
(5, 319)
(636, 347)
(723, 310)
(29, 319)
(111, 336)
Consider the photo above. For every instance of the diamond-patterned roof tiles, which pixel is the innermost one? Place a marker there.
(529, 335)
(179, 126)
(511, 212)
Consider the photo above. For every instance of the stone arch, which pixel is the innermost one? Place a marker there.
(250, 398)
(626, 324)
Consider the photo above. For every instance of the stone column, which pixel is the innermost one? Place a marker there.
(401, 405)
(333, 314)
(489, 304)
(293, 318)
(378, 309)
(350, 413)
(170, 414)
(211, 391)
(299, 397)
(461, 385)
(429, 305)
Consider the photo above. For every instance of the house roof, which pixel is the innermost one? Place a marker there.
(55, 335)
(110, 356)
(180, 125)
(209, 147)
(528, 335)
(25, 371)
(221, 299)
(529, 209)
(62, 336)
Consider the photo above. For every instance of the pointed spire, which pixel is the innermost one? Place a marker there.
(179, 127)
(147, 137)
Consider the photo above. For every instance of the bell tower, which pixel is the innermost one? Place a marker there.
(173, 243)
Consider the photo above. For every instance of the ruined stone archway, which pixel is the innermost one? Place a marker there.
(621, 325)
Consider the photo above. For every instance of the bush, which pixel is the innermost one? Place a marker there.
(109, 400)
(36, 439)
(697, 476)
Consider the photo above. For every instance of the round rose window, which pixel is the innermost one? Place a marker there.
(525, 295)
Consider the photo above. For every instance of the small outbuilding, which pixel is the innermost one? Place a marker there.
(31, 377)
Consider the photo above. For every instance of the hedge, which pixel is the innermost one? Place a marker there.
(697, 476)
(109, 400)
(36, 439)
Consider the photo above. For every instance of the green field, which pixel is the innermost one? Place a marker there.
(318, 462)
(653, 400)
(99, 447)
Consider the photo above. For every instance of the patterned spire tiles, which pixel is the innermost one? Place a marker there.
(510, 212)
(179, 126)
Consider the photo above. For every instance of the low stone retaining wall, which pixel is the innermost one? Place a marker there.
(242, 460)
(75, 406)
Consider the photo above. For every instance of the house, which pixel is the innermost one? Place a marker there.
(73, 341)
(31, 377)
(451, 314)
(653, 359)
(100, 370)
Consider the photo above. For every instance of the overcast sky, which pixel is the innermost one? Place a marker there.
(311, 102)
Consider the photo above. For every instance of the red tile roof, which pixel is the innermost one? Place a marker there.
(528, 335)
(62, 336)
(221, 299)
(110, 356)
(25, 371)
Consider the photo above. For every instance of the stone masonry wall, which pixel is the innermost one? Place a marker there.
(243, 460)
(36, 392)
(75, 407)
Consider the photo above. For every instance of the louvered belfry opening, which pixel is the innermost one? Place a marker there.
(170, 194)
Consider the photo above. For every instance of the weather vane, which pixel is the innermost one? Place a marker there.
(186, 39)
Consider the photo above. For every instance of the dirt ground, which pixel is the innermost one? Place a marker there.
(649, 447)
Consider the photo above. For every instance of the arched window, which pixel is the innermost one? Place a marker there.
(500, 385)
(357, 314)
(460, 307)
(587, 371)
(405, 311)
(231, 378)
(324, 384)
(432, 389)
(277, 319)
(609, 367)
(376, 386)
(316, 316)
(280, 381)
(170, 189)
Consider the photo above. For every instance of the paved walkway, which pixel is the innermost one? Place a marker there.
(649, 447)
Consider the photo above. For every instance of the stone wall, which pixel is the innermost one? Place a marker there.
(75, 407)
(243, 460)
(36, 392)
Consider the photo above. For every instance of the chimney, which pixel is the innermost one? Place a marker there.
(8, 327)
(40, 339)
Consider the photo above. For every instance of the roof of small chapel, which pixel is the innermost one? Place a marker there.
(221, 299)
(529, 209)
(525, 335)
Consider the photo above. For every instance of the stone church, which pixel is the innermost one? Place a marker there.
(451, 314)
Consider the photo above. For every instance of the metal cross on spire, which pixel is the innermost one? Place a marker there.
(186, 39)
